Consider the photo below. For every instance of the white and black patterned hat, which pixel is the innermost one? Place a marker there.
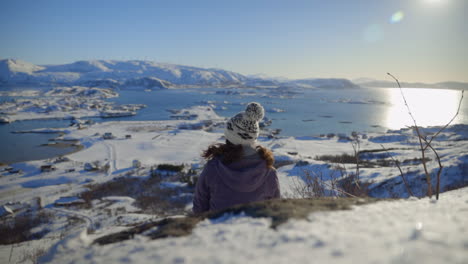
(243, 128)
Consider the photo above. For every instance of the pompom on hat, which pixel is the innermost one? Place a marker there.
(243, 128)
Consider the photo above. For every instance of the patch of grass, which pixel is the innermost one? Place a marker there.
(351, 159)
(314, 184)
(162, 201)
(123, 186)
(147, 192)
(171, 167)
(351, 185)
(282, 163)
(378, 150)
(415, 161)
(18, 228)
(279, 210)
(343, 158)
(32, 255)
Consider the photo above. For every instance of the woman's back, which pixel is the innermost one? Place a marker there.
(223, 185)
(238, 171)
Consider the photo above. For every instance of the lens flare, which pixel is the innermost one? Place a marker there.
(397, 17)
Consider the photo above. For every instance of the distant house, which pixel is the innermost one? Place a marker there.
(68, 201)
(136, 164)
(108, 135)
(91, 166)
(47, 168)
(75, 122)
(61, 159)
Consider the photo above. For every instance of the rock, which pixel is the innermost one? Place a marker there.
(5, 210)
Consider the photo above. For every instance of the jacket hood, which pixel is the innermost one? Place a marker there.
(245, 175)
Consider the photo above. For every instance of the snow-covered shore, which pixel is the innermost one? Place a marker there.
(63, 103)
(425, 225)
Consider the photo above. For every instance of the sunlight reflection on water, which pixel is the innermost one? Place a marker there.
(430, 107)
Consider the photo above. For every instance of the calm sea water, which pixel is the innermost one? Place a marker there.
(22, 147)
(307, 112)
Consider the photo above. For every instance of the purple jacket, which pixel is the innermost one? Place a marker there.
(248, 180)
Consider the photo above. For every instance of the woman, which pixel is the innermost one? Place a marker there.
(239, 171)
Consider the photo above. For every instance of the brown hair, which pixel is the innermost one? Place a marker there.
(229, 153)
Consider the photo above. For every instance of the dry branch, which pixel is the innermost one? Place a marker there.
(397, 163)
(428, 144)
(423, 155)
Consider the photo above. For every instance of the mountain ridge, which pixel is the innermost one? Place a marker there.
(374, 83)
(81, 72)
(151, 75)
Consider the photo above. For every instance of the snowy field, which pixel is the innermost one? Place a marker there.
(406, 231)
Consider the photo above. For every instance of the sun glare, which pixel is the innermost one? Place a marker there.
(430, 107)
(434, 1)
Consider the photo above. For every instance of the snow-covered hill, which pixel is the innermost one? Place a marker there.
(372, 83)
(147, 74)
(110, 72)
(325, 83)
(400, 231)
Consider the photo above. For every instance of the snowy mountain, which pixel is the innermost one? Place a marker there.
(114, 73)
(146, 74)
(373, 83)
(325, 83)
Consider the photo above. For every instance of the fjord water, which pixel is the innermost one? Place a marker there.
(23, 147)
(314, 111)
(306, 112)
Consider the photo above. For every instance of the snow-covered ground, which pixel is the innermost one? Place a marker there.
(62, 102)
(405, 231)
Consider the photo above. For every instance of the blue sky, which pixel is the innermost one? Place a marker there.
(426, 41)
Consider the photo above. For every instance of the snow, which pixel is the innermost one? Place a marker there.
(152, 141)
(82, 72)
(326, 83)
(404, 231)
(65, 103)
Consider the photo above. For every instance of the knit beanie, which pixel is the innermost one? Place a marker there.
(243, 128)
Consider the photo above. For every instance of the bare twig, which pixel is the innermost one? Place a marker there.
(420, 137)
(333, 186)
(428, 143)
(337, 189)
(313, 185)
(439, 171)
(356, 148)
(397, 163)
